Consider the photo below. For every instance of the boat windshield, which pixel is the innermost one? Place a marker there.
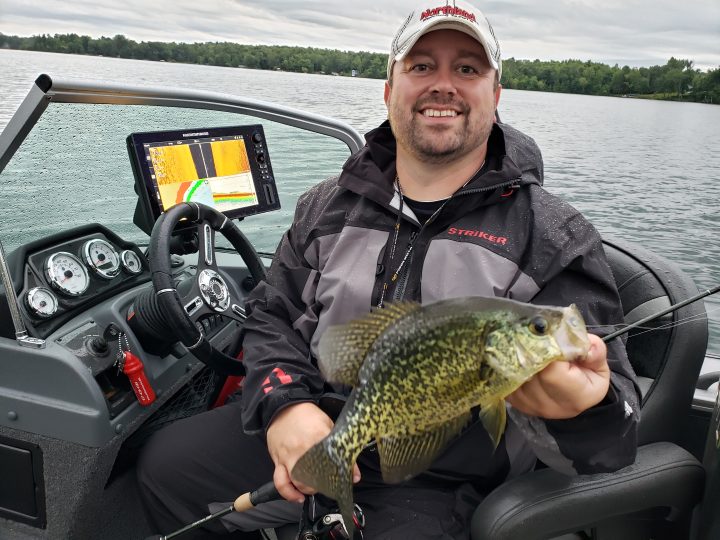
(74, 169)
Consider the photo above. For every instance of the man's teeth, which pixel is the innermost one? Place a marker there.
(436, 112)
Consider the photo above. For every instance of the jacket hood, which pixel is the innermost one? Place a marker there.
(371, 170)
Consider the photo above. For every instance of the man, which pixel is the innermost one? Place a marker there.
(442, 202)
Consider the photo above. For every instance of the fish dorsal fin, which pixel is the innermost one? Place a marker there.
(404, 456)
(342, 349)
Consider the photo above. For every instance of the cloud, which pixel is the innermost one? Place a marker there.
(636, 32)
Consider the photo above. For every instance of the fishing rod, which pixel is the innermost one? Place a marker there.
(661, 313)
(265, 493)
(325, 526)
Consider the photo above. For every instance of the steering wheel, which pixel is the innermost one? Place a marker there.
(208, 293)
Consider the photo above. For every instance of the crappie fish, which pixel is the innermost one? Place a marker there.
(417, 371)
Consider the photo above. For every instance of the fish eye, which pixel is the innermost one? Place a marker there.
(538, 326)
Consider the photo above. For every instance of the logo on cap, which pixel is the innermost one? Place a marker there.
(447, 11)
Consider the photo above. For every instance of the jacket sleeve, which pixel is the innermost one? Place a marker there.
(280, 370)
(604, 437)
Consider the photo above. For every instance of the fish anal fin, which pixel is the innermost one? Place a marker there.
(494, 418)
(342, 349)
(404, 456)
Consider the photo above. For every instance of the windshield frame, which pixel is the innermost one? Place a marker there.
(47, 90)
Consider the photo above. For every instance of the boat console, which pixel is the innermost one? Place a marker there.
(77, 295)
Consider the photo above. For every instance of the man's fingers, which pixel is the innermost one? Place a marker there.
(555, 375)
(356, 474)
(596, 358)
(285, 486)
(524, 399)
(301, 487)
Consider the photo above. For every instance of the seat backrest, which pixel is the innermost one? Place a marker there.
(667, 361)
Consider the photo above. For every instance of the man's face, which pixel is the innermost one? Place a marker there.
(442, 100)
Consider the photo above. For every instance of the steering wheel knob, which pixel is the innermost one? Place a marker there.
(214, 290)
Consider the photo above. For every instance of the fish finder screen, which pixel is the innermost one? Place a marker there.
(215, 172)
(225, 168)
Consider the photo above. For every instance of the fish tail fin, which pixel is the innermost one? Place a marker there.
(330, 475)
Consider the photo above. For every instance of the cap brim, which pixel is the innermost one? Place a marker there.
(443, 24)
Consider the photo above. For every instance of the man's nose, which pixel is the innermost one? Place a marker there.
(443, 81)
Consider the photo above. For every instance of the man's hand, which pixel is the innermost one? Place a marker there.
(293, 432)
(565, 389)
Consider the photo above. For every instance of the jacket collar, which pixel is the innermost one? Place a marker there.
(371, 171)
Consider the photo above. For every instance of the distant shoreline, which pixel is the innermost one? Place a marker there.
(675, 81)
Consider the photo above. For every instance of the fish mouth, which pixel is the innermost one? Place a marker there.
(572, 337)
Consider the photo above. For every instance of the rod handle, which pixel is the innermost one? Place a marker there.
(265, 493)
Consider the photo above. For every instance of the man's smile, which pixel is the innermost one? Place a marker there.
(439, 112)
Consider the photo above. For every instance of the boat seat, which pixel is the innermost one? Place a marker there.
(654, 497)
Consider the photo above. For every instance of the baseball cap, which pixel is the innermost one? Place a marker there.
(448, 15)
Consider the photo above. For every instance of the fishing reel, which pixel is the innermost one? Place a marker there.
(317, 524)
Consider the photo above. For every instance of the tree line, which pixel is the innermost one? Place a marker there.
(676, 80)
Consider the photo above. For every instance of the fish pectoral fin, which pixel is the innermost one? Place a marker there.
(342, 349)
(331, 477)
(404, 456)
(494, 418)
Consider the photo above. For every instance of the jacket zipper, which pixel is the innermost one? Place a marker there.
(399, 292)
(402, 280)
(490, 188)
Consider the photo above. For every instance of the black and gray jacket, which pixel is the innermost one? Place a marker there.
(501, 235)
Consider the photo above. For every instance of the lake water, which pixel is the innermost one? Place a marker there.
(645, 171)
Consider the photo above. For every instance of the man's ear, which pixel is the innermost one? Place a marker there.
(498, 91)
(388, 89)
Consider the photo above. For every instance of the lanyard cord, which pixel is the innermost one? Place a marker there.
(394, 244)
(411, 245)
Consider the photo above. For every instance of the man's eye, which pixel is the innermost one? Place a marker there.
(467, 70)
(420, 67)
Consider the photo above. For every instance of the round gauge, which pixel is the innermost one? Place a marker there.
(41, 301)
(102, 258)
(67, 273)
(131, 261)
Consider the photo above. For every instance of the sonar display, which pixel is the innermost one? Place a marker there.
(215, 172)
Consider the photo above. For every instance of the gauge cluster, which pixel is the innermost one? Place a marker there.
(72, 273)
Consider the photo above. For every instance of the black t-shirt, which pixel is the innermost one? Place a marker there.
(423, 209)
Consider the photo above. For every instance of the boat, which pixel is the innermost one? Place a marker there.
(88, 372)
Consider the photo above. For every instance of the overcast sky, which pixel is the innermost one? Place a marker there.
(632, 32)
